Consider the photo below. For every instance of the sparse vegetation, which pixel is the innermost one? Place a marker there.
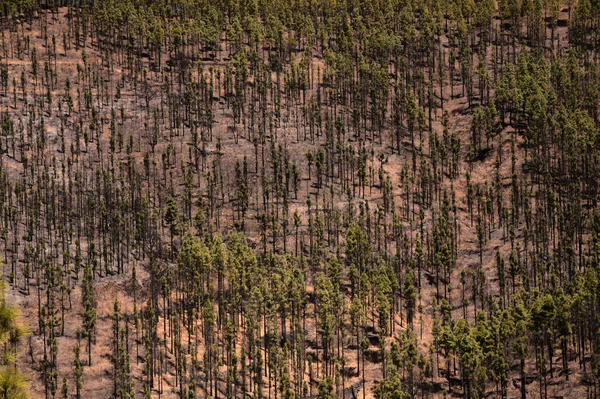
(300, 199)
